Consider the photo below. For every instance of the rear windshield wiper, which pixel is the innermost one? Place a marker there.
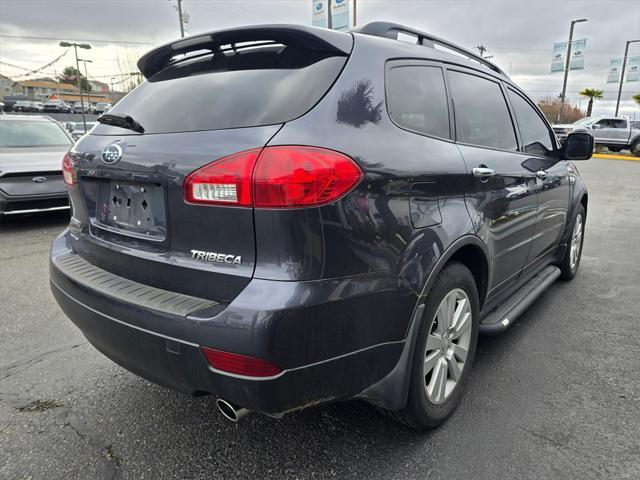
(122, 121)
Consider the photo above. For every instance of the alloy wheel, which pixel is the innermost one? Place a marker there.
(447, 346)
(576, 243)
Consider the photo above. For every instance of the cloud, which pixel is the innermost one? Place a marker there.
(518, 33)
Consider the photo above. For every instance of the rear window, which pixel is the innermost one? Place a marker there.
(17, 133)
(260, 86)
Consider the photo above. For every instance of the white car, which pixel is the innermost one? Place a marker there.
(31, 152)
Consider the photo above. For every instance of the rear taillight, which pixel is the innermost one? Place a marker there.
(226, 181)
(240, 364)
(276, 177)
(68, 173)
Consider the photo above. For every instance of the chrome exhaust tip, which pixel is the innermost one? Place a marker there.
(231, 411)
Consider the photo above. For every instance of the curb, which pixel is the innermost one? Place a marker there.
(616, 157)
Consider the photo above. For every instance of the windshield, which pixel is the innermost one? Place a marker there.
(19, 133)
(585, 121)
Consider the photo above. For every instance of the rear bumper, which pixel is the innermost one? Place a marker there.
(165, 348)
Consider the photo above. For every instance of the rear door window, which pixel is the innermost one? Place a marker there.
(481, 112)
(536, 137)
(247, 88)
(417, 99)
(615, 123)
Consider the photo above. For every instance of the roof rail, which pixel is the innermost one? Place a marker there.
(391, 30)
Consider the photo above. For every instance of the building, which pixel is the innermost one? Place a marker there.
(6, 86)
(98, 87)
(43, 88)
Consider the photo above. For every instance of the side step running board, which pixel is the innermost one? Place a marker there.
(502, 317)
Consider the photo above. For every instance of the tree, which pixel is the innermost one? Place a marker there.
(70, 75)
(551, 107)
(592, 94)
(636, 98)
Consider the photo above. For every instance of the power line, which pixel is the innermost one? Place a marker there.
(95, 40)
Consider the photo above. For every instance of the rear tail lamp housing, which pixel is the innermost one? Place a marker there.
(274, 177)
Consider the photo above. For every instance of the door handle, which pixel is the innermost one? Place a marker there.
(541, 174)
(483, 172)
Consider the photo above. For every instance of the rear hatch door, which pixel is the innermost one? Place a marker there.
(206, 99)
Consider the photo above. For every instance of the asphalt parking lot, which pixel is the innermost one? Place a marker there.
(556, 396)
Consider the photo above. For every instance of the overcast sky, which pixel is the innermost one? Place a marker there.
(518, 33)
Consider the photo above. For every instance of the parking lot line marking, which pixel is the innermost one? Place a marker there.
(615, 157)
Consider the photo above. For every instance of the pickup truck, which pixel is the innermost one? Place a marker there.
(614, 133)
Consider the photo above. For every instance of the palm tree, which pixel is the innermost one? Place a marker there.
(636, 98)
(591, 94)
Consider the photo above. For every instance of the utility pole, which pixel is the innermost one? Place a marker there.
(112, 79)
(482, 49)
(329, 21)
(180, 18)
(75, 48)
(624, 66)
(566, 67)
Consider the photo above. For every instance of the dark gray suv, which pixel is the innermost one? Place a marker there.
(284, 216)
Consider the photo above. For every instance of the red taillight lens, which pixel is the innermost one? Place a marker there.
(226, 181)
(240, 364)
(302, 176)
(68, 173)
(276, 177)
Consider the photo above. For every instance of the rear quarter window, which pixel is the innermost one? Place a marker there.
(259, 87)
(417, 99)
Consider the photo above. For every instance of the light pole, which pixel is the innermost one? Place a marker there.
(112, 79)
(624, 66)
(180, 18)
(86, 75)
(566, 66)
(75, 46)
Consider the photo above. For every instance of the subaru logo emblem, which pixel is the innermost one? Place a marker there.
(112, 153)
(39, 179)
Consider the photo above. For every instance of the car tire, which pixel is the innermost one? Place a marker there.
(573, 253)
(634, 148)
(432, 400)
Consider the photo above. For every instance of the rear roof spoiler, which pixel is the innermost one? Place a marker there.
(309, 38)
(391, 30)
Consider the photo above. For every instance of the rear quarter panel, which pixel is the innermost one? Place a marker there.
(371, 228)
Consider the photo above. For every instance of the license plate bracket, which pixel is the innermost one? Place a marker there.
(133, 209)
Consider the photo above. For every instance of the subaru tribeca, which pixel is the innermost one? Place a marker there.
(284, 216)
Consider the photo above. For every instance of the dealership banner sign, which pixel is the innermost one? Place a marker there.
(319, 16)
(560, 55)
(632, 70)
(339, 14)
(615, 67)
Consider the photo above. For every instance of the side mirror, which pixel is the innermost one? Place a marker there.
(578, 146)
(596, 126)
